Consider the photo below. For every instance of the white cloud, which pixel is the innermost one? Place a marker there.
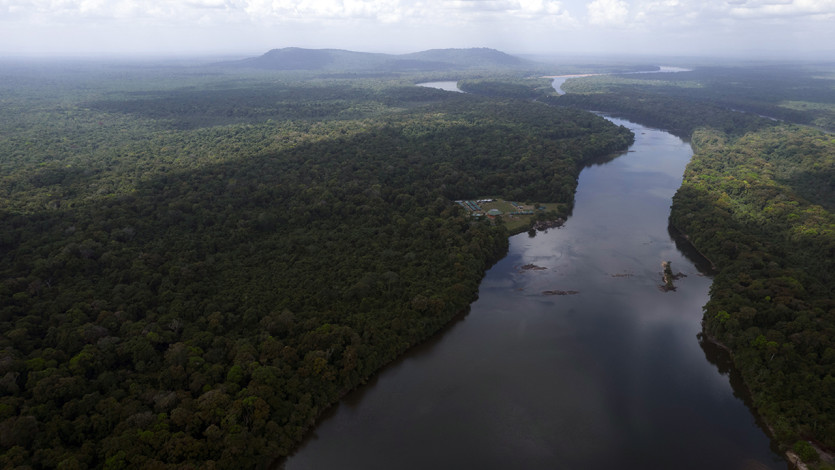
(280, 11)
(537, 8)
(781, 8)
(211, 4)
(741, 16)
(720, 10)
(599, 12)
(608, 12)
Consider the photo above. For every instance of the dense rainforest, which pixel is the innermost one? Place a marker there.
(797, 93)
(751, 205)
(193, 265)
(757, 200)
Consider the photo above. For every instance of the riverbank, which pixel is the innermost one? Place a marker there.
(517, 217)
(525, 365)
(753, 259)
(770, 293)
(792, 458)
(686, 239)
(762, 348)
(558, 80)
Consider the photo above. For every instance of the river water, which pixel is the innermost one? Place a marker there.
(445, 85)
(610, 377)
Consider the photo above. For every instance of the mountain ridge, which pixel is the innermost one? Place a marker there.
(297, 58)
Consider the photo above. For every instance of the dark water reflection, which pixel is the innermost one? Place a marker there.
(612, 377)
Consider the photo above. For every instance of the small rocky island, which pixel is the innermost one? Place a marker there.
(668, 277)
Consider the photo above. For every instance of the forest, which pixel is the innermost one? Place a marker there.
(797, 93)
(195, 263)
(751, 205)
(194, 266)
(757, 200)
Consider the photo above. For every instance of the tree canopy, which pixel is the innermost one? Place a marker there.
(193, 268)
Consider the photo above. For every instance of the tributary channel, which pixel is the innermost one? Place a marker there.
(613, 376)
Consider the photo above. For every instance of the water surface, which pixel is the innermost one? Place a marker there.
(559, 80)
(446, 85)
(611, 377)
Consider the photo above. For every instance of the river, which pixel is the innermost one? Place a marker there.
(558, 80)
(445, 85)
(610, 377)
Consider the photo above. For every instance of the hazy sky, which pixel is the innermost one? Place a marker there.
(756, 28)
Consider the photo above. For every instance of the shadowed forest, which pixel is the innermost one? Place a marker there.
(195, 266)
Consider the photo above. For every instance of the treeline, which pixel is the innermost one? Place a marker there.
(679, 116)
(325, 99)
(187, 296)
(757, 207)
(508, 87)
(757, 200)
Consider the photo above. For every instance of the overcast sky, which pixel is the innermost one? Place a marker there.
(754, 28)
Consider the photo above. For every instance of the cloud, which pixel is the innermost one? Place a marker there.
(608, 12)
(754, 9)
(743, 16)
(598, 12)
(207, 4)
(383, 25)
(282, 11)
(537, 8)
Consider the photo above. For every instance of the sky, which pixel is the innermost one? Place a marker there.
(727, 28)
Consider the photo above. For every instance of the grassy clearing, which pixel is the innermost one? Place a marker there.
(516, 223)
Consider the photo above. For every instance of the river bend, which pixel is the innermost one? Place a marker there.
(610, 377)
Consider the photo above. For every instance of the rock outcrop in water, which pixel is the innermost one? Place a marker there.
(668, 277)
(543, 225)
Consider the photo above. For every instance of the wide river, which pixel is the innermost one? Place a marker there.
(612, 377)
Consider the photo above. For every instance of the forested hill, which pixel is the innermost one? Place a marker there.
(757, 199)
(296, 58)
(336, 60)
(481, 57)
(189, 283)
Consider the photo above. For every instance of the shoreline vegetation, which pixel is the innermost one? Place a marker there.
(755, 343)
(686, 238)
(517, 217)
(754, 203)
(792, 456)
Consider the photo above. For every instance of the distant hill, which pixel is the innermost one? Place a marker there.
(295, 58)
(474, 57)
